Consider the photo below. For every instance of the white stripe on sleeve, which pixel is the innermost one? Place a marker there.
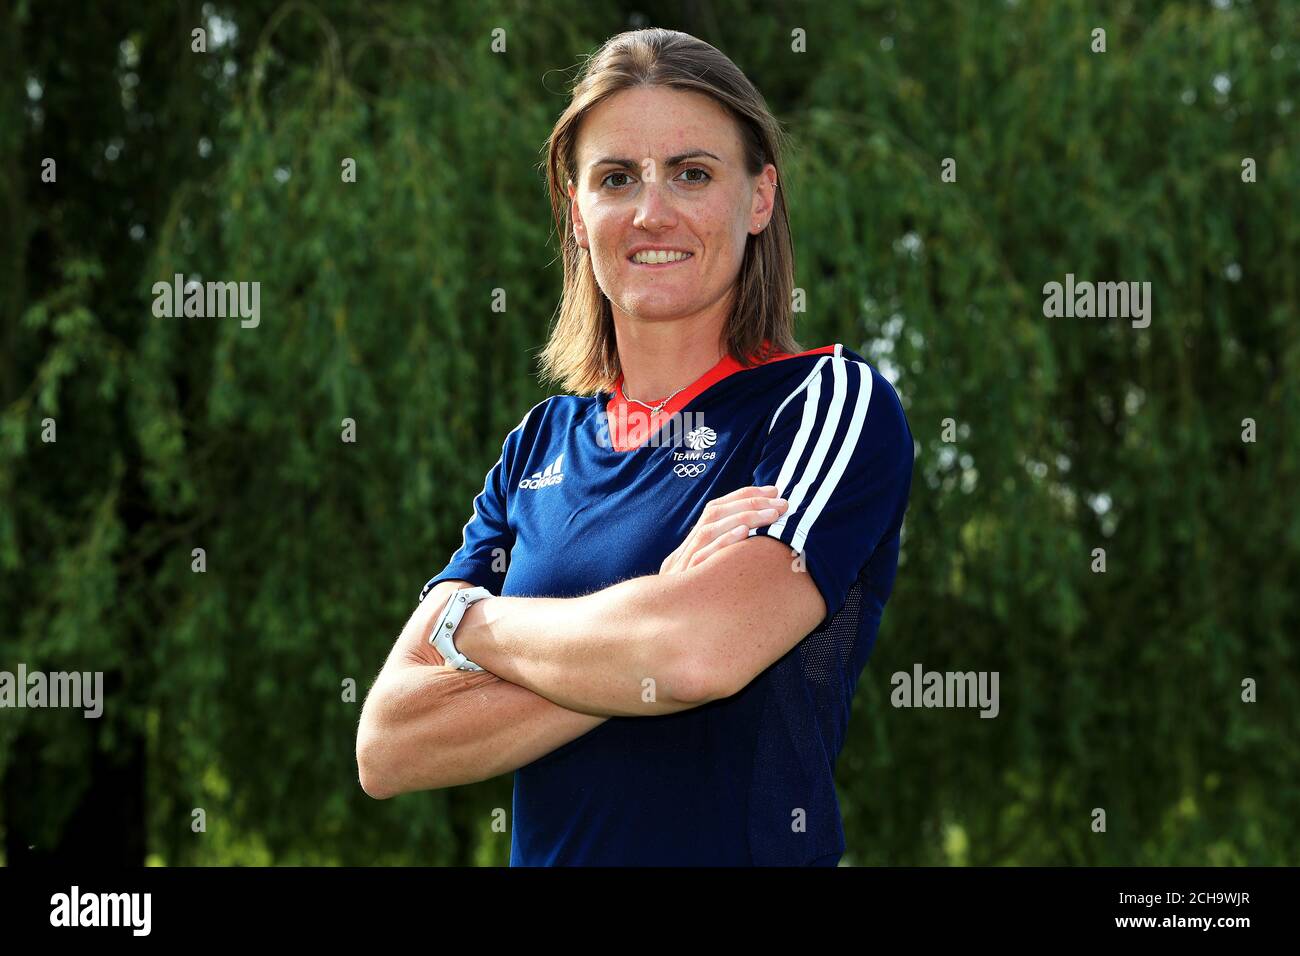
(825, 432)
(802, 385)
(841, 462)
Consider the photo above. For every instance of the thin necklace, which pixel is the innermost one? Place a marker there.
(654, 409)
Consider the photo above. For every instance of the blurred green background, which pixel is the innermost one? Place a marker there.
(1120, 690)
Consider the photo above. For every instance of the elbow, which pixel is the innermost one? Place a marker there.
(374, 784)
(372, 770)
(373, 780)
(673, 665)
(374, 790)
(706, 685)
(709, 668)
(696, 679)
(394, 756)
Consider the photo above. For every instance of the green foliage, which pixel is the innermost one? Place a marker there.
(1119, 690)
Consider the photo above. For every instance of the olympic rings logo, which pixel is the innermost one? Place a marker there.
(689, 469)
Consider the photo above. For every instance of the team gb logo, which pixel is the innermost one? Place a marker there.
(701, 438)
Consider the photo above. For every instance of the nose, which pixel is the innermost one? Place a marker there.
(654, 208)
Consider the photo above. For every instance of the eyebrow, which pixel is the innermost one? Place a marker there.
(634, 165)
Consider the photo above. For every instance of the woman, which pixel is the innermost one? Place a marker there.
(686, 556)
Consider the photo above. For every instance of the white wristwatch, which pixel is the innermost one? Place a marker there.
(449, 620)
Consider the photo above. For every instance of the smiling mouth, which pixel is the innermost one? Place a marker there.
(658, 258)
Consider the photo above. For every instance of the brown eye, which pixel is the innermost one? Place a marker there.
(610, 176)
(697, 169)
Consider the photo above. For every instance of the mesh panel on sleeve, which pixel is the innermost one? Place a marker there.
(804, 719)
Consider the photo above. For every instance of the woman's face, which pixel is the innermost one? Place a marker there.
(663, 169)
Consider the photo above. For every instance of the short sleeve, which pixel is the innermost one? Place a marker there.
(840, 451)
(486, 540)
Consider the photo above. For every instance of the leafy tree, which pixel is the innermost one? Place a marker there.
(225, 688)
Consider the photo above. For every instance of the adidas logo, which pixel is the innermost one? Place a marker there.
(551, 476)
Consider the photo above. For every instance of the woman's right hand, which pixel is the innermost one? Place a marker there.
(725, 521)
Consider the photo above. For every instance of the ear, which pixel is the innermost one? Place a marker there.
(575, 215)
(764, 201)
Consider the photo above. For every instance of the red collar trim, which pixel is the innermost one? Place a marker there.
(631, 424)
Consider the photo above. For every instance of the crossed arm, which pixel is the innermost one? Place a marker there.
(654, 644)
(556, 668)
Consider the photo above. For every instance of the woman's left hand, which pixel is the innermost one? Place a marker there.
(726, 520)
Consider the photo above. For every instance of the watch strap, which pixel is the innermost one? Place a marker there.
(443, 634)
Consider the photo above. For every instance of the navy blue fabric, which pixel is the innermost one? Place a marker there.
(748, 780)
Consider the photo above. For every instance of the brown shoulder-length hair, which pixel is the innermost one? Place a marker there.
(581, 353)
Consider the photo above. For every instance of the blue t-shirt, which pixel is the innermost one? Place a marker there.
(583, 498)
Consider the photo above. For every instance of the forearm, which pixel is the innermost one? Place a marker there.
(425, 727)
(618, 651)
